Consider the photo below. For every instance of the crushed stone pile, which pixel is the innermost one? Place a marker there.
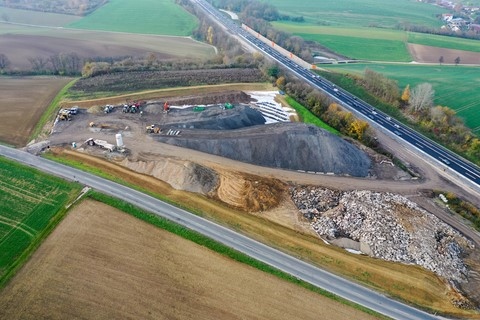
(387, 226)
(214, 118)
(294, 146)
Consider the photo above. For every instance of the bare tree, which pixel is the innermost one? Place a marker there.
(457, 61)
(440, 60)
(38, 63)
(4, 61)
(421, 97)
(56, 63)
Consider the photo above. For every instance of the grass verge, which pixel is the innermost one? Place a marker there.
(219, 248)
(307, 117)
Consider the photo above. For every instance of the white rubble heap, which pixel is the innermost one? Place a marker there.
(388, 226)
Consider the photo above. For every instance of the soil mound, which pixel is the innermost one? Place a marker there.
(181, 175)
(294, 146)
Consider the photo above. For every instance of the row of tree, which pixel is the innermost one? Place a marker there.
(68, 64)
(258, 15)
(327, 110)
(418, 105)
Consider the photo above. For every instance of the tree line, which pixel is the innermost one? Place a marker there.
(258, 16)
(417, 105)
(64, 64)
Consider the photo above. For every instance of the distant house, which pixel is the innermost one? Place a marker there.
(447, 16)
(457, 24)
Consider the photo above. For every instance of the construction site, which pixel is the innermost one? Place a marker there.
(246, 150)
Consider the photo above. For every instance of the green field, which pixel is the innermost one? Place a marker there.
(32, 203)
(36, 18)
(141, 16)
(457, 87)
(361, 13)
(362, 48)
(444, 42)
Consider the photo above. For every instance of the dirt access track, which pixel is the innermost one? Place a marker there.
(97, 250)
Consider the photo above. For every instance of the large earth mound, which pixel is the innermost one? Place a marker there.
(294, 146)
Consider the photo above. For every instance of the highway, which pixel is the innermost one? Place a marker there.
(255, 249)
(443, 156)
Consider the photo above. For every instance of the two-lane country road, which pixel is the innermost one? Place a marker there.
(255, 249)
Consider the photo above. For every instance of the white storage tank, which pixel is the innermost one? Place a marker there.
(119, 139)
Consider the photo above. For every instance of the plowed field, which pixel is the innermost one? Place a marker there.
(101, 263)
(23, 102)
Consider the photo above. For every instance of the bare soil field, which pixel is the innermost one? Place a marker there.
(428, 54)
(101, 263)
(23, 102)
(19, 43)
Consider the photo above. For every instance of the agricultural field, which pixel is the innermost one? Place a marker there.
(102, 263)
(21, 109)
(363, 13)
(19, 43)
(162, 17)
(32, 203)
(444, 42)
(362, 48)
(456, 87)
(35, 18)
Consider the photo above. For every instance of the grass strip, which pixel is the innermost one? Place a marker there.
(308, 117)
(220, 248)
(51, 111)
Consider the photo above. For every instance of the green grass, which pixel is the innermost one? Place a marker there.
(32, 205)
(219, 248)
(36, 17)
(444, 42)
(457, 87)
(363, 48)
(361, 13)
(162, 17)
(309, 117)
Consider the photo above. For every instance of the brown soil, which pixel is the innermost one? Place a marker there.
(100, 263)
(21, 109)
(428, 54)
(28, 42)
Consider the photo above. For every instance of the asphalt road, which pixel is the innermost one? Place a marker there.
(255, 249)
(444, 157)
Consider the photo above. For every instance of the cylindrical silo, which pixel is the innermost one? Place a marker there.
(119, 139)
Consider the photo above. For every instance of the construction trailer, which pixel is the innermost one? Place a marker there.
(101, 143)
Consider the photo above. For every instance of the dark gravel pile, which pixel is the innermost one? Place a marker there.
(214, 118)
(294, 146)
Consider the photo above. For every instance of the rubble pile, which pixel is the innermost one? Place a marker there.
(387, 226)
